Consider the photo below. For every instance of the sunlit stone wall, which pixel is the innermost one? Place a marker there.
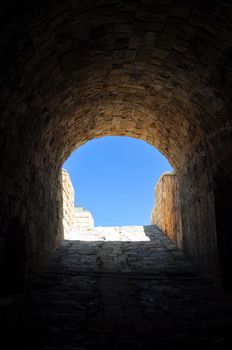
(166, 212)
(68, 202)
(83, 219)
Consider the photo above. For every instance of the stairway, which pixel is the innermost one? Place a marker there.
(119, 295)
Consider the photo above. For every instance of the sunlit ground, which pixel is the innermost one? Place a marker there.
(114, 233)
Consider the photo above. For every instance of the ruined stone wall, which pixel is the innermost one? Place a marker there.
(83, 219)
(166, 212)
(68, 202)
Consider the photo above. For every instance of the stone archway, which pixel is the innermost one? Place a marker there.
(72, 71)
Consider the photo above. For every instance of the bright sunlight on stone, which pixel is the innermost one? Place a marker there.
(114, 233)
(79, 224)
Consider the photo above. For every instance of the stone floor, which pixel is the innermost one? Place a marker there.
(118, 295)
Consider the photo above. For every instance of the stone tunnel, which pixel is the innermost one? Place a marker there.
(71, 71)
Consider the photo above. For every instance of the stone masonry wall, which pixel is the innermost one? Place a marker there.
(166, 212)
(185, 210)
(166, 79)
(196, 188)
(30, 217)
(83, 219)
(68, 202)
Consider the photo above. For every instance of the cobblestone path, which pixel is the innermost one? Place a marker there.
(118, 295)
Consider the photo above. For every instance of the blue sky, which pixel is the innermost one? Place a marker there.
(114, 177)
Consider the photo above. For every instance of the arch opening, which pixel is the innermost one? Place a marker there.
(71, 74)
(109, 182)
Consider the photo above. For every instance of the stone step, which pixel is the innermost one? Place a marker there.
(118, 295)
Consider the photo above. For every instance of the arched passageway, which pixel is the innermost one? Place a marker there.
(159, 71)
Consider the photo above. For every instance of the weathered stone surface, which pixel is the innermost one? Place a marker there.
(167, 212)
(87, 298)
(82, 222)
(112, 233)
(159, 71)
(83, 219)
(68, 202)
